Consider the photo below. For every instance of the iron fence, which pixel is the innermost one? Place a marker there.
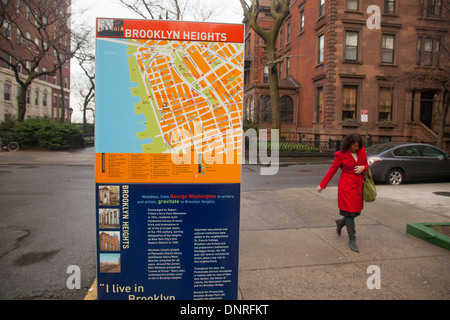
(303, 147)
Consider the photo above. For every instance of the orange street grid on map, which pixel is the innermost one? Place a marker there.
(190, 94)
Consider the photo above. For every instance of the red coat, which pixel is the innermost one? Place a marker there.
(350, 187)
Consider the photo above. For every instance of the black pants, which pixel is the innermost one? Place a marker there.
(347, 214)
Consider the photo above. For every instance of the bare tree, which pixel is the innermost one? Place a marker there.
(27, 57)
(279, 10)
(171, 9)
(86, 86)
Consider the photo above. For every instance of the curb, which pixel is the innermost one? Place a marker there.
(422, 231)
(92, 293)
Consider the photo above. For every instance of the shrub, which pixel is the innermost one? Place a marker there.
(48, 134)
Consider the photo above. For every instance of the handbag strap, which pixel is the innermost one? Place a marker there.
(369, 173)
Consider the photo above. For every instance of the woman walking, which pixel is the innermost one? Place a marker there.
(352, 161)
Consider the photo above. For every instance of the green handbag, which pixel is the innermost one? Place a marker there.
(369, 190)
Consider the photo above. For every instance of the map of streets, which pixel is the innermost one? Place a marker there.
(190, 94)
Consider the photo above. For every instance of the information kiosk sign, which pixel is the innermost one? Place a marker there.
(168, 159)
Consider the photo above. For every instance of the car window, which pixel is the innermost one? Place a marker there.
(431, 152)
(409, 151)
(376, 149)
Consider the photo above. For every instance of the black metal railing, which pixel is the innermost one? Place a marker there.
(304, 147)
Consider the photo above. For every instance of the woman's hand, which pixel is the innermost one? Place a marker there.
(319, 189)
(359, 169)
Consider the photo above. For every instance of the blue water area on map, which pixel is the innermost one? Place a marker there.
(116, 122)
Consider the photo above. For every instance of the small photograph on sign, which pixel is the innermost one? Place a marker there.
(109, 241)
(108, 218)
(108, 195)
(110, 28)
(110, 262)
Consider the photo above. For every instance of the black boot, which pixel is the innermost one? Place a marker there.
(340, 223)
(352, 236)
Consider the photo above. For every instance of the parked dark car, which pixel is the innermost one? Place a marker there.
(395, 163)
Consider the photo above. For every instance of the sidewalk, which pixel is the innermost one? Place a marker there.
(289, 249)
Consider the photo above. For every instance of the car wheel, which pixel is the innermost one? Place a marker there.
(395, 177)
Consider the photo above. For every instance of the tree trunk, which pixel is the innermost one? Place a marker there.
(62, 103)
(274, 91)
(22, 102)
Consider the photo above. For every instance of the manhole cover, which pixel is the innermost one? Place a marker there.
(442, 193)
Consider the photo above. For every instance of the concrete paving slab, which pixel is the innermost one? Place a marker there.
(377, 242)
(426, 199)
(261, 216)
(268, 249)
(331, 282)
(416, 278)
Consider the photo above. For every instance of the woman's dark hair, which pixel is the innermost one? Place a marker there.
(351, 139)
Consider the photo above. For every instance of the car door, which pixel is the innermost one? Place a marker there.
(408, 159)
(435, 163)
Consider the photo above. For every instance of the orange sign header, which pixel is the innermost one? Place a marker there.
(170, 30)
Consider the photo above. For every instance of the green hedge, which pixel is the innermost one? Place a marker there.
(45, 133)
(288, 146)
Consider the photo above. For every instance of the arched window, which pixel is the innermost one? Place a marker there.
(265, 109)
(252, 109)
(287, 109)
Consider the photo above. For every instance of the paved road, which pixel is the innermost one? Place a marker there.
(46, 224)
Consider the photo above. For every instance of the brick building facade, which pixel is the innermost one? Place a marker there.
(335, 65)
(31, 29)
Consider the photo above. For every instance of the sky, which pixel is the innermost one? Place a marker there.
(86, 11)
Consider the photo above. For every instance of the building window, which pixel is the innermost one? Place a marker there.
(387, 48)
(321, 7)
(8, 58)
(351, 45)
(44, 99)
(427, 53)
(287, 109)
(265, 109)
(7, 29)
(281, 37)
(349, 103)
(280, 71)
(352, 5)
(252, 109)
(319, 104)
(385, 104)
(302, 20)
(7, 92)
(247, 46)
(431, 8)
(266, 74)
(288, 66)
(389, 6)
(36, 97)
(321, 48)
(44, 77)
(28, 96)
(288, 32)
